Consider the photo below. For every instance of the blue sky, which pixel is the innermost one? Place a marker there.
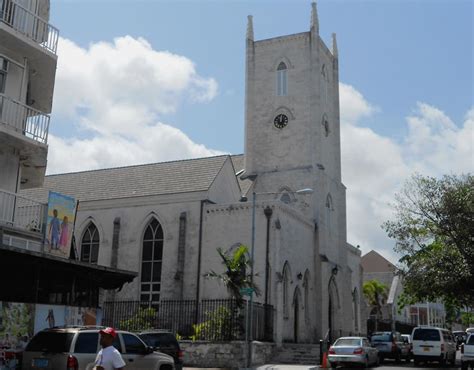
(406, 66)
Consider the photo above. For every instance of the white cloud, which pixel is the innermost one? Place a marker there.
(355, 105)
(160, 141)
(374, 166)
(114, 93)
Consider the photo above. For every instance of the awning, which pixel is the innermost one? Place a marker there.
(17, 264)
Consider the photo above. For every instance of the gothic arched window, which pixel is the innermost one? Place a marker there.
(90, 244)
(282, 82)
(152, 257)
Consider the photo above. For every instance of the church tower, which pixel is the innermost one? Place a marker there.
(292, 142)
(291, 110)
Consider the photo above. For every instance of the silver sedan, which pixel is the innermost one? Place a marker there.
(353, 350)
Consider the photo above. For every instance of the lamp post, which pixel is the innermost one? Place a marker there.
(249, 319)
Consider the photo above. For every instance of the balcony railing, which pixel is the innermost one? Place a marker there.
(21, 213)
(26, 120)
(29, 24)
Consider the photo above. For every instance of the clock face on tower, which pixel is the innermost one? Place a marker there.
(280, 121)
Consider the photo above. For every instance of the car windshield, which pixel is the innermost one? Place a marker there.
(426, 334)
(349, 342)
(470, 340)
(50, 341)
(382, 337)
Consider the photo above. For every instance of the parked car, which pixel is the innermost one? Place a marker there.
(352, 350)
(407, 339)
(467, 353)
(433, 344)
(164, 341)
(469, 330)
(391, 345)
(75, 348)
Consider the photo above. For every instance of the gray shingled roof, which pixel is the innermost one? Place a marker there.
(133, 181)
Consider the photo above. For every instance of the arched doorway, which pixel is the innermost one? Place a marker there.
(296, 315)
(333, 308)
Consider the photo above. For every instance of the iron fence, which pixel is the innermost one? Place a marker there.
(387, 325)
(211, 320)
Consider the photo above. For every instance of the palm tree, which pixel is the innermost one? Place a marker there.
(235, 276)
(376, 294)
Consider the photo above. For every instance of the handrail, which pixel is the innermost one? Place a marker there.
(21, 212)
(29, 24)
(24, 119)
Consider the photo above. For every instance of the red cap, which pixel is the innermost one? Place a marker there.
(109, 331)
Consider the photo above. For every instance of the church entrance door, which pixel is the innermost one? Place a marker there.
(296, 316)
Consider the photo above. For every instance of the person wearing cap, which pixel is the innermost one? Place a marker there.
(108, 357)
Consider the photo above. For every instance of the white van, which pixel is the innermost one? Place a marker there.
(433, 344)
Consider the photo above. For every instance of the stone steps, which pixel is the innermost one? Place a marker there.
(292, 353)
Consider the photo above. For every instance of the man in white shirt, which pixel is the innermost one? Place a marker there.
(108, 357)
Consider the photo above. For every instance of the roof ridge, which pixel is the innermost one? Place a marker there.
(138, 165)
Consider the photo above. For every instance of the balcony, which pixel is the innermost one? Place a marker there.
(24, 120)
(23, 219)
(29, 24)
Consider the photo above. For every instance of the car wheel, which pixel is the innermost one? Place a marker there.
(377, 361)
(463, 366)
(416, 362)
(333, 365)
(380, 359)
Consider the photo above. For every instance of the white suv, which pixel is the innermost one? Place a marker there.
(433, 344)
(75, 348)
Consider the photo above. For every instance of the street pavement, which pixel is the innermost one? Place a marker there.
(387, 365)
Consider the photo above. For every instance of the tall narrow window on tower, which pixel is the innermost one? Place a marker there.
(282, 89)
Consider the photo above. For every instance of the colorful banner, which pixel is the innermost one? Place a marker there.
(61, 213)
(49, 315)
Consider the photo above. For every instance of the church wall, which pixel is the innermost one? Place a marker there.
(291, 241)
(354, 289)
(294, 245)
(133, 220)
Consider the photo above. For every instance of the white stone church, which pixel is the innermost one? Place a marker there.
(165, 220)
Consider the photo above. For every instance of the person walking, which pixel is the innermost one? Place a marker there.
(108, 357)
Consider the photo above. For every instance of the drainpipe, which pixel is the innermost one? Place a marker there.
(198, 275)
(268, 213)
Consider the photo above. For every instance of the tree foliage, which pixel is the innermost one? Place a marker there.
(235, 276)
(434, 232)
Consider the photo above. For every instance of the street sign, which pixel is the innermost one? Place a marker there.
(246, 291)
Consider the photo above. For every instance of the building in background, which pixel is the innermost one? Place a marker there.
(376, 267)
(29, 273)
